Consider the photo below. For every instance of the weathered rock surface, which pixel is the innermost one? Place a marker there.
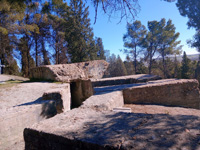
(69, 72)
(183, 93)
(95, 126)
(124, 80)
(105, 102)
(92, 128)
(61, 96)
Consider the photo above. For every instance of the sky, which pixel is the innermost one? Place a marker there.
(111, 31)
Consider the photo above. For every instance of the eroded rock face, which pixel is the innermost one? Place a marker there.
(69, 72)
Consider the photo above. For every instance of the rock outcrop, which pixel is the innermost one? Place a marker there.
(70, 72)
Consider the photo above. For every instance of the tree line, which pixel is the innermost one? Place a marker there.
(153, 50)
(184, 69)
(45, 33)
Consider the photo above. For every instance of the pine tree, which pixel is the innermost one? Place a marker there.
(133, 40)
(150, 43)
(116, 66)
(10, 13)
(120, 69)
(177, 68)
(58, 19)
(185, 68)
(197, 70)
(168, 43)
(78, 33)
(100, 49)
(129, 66)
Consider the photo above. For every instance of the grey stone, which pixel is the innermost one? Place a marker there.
(70, 72)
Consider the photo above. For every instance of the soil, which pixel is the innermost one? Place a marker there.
(18, 99)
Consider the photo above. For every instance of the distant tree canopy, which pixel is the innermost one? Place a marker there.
(160, 38)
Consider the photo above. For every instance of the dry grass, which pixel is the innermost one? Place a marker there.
(9, 84)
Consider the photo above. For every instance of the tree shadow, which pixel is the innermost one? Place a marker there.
(48, 107)
(141, 131)
(37, 101)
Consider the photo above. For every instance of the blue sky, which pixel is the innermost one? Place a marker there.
(112, 33)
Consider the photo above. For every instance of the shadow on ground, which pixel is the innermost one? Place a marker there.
(142, 131)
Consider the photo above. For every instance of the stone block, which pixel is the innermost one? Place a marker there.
(105, 102)
(69, 72)
(184, 93)
(61, 96)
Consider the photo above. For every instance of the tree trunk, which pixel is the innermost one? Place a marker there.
(135, 59)
(44, 52)
(150, 59)
(164, 65)
(36, 51)
(2, 63)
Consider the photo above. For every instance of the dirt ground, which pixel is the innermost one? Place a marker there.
(11, 77)
(18, 103)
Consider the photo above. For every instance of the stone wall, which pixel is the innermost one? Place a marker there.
(69, 72)
(183, 93)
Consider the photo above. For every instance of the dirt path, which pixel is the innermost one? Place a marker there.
(11, 77)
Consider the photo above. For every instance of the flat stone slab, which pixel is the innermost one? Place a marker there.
(89, 129)
(124, 80)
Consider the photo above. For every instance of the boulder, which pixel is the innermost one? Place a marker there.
(69, 72)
